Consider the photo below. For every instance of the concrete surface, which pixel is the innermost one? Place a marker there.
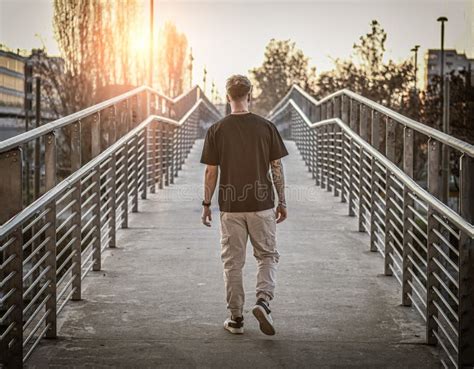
(159, 300)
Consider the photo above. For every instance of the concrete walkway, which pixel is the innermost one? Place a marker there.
(159, 300)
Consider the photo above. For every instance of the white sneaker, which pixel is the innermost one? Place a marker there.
(262, 312)
(234, 326)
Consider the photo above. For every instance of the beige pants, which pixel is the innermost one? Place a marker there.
(236, 228)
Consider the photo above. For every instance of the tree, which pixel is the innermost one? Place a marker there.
(283, 65)
(366, 73)
(94, 38)
(172, 60)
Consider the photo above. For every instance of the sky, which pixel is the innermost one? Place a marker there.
(230, 36)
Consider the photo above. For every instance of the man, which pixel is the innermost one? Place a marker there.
(245, 147)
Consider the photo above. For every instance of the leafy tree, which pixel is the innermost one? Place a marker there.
(461, 105)
(367, 74)
(283, 65)
(172, 58)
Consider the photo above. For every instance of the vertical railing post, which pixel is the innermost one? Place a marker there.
(331, 141)
(324, 148)
(97, 246)
(146, 111)
(76, 209)
(153, 156)
(345, 119)
(354, 116)
(165, 132)
(113, 200)
(466, 265)
(363, 132)
(375, 142)
(407, 227)
(351, 178)
(96, 150)
(338, 133)
(125, 186)
(373, 204)
(135, 180)
(11, 196)
(434, 187)
(390, 154)
(50, 233)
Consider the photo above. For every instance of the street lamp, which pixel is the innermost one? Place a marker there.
(442, 20)
(444, 124)
(415, 50)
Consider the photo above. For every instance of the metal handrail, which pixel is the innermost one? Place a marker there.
(52, 194)
(426, 246)
(50, 245)
(35, 133)
(406, 180)
(442, 137)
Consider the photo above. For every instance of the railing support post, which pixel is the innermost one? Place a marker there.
(113, 201)
(76, 209)
(153, 156)
(146, 158)
(345, 118)
(434, 187)
(50, 248)
(97, 246)
(407, 227)
(12, 203)
(135, 174)
(390, 154)
(351, 179)
(125, 186)
(466, 266)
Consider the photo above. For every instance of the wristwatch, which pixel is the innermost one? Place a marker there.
(206, 203)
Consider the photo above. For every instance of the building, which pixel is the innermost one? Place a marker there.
(453, 61)
(12, 89)
(12, 93)
(12, 68)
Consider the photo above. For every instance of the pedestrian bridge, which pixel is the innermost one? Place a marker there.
(109, 266)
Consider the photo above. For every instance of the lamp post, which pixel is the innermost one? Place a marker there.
(150, 62)
(442, 20)
(444, 123)
(415, 50)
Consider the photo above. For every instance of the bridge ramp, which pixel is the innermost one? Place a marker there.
(159, 300)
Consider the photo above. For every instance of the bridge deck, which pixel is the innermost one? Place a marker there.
(159, 300)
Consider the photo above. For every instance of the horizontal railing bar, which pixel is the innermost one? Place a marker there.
(35, 298)
(37, 310)
(70, 181)
(33, 346)
(409, 182)
(37, 280)
(37, 218)
(446, 226)
(72, 118)
(421, 312)
(442, 137)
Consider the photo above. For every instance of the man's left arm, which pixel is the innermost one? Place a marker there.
(279, 183)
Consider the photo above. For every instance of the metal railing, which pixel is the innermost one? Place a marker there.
(48, 247)
(426, 245)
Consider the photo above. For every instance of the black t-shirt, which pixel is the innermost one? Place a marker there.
(243, 145)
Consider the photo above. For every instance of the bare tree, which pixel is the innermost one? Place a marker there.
(172, 59)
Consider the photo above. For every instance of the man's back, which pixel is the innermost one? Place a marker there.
(243, 145)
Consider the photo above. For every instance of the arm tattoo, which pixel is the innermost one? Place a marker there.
(278, 180)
